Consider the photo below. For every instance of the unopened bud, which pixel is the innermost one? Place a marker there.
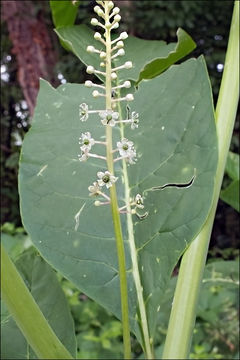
(113, 76)
(116, 10)
(123, 35)
(128, 65)
(115, 26)
(96, 8)
(117, 18)
(88, 83)
(90, 69)
(121, 52)
(120, 44)
(90, 49)
(129, 97)
(102, 55)
(99, 11)
(97, 36)
(94, 21)
(110, 5)
(127, 84)
(95, 94)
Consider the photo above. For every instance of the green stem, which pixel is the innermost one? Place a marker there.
(27, 314)
(114, 202)
(134, 257)
(182, 319)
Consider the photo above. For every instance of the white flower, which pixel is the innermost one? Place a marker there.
(94, 189)
(126, 150)
(109, 117)
(106, 178)
(87, 141)
(83, 156)
(83, 112)
(132, 157)
(124, 147)
(134, 120)
(139, 201)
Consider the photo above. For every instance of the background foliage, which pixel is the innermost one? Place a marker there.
(208, 23)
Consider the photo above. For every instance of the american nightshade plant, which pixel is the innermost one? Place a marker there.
(117, 178)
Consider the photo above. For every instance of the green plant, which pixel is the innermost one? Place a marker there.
(152, 211)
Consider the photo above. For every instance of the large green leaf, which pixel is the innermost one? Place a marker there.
(176, 140)
(150, 57)
(64, 12)
(44, 286)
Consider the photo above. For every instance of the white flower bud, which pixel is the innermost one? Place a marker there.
(128, 65)
(96, 8)
(97, 203)
(90, 69)
(110, 5)
(127, 84)
(102, 55)
(97, 36)
(88, 83)
(123, 35)
(117, 18)
(120, 44)
(94, 21)
(91, 49)
(95, 94)
(113, 76)
(116, 10)
(102, 64)
(129, 97)
(115, 26)
(121, 52)
(101, 13)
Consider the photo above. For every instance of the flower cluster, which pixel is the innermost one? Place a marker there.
(114, 50)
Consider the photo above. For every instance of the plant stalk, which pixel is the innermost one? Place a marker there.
(27, 314)
(134, 258)
(183, 315)
(114, 202)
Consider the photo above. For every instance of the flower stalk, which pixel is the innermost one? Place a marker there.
(114, 202)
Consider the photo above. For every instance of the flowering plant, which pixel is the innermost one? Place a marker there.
(116, 222)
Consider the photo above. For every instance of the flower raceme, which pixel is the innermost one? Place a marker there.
(109, 19)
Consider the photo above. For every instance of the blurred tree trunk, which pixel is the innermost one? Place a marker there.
(32, 46)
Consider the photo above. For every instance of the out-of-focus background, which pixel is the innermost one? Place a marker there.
(30, 49)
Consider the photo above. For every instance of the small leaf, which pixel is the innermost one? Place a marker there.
(64, 12)
(44, 286)
(231, 194)
(155, 61)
